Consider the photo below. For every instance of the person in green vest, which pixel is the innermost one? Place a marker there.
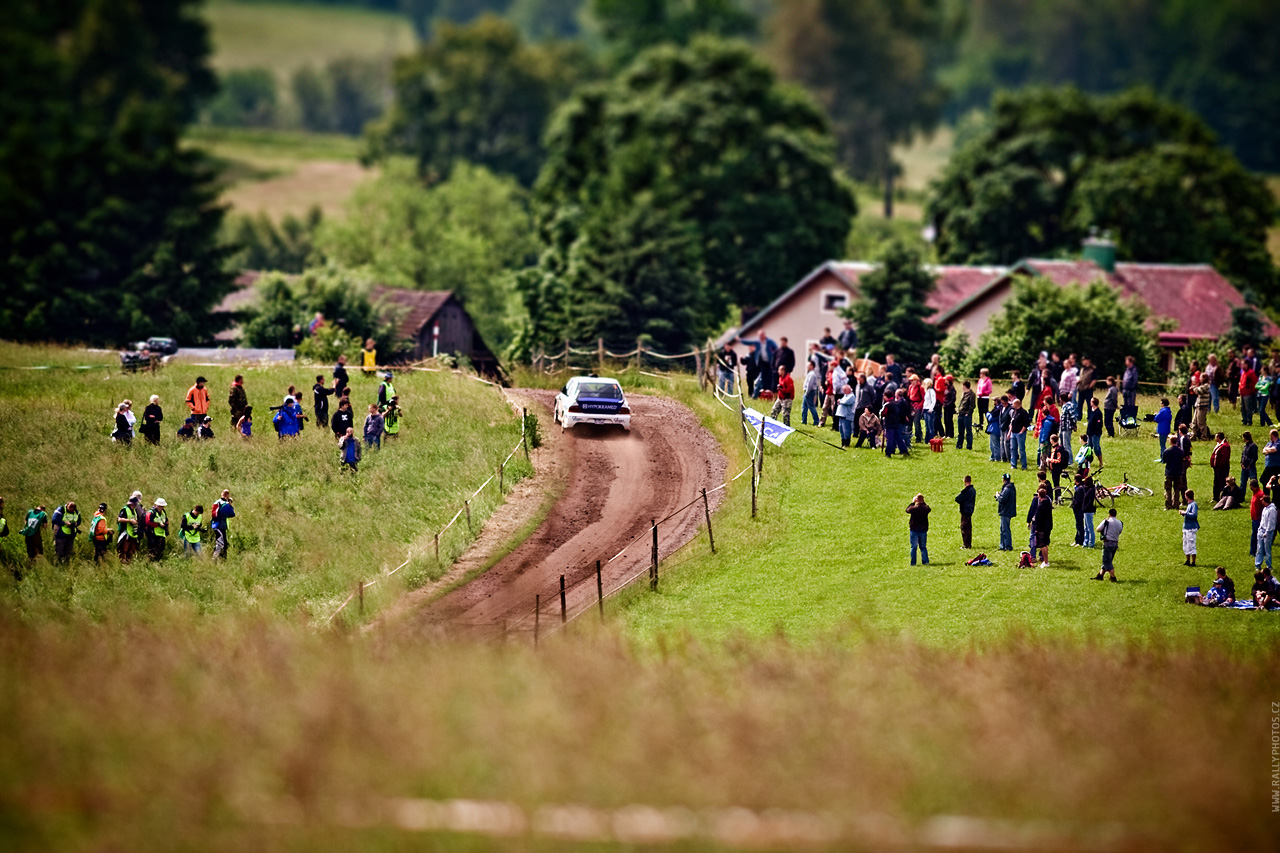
(189, 530)
(156, 522)
(66, 526)
(386, 391)
(33, 531)
(127, 526)
(391, 417)
(100, 533)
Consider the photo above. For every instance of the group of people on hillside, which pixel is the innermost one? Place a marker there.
(383, 419)
(134, 529)
(1245, 379)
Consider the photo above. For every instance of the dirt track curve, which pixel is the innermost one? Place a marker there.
(614, 483)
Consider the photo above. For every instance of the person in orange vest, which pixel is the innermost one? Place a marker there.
(100, 533)
(198, 399)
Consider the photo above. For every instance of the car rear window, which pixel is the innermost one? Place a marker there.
(600, 390)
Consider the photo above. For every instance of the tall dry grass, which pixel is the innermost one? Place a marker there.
(156, 736)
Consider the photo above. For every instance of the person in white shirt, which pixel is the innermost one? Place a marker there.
(1109, 530)
(1266, 532)
(812, 391)
(930, 406)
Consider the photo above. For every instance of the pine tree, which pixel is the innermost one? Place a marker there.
(890, 310)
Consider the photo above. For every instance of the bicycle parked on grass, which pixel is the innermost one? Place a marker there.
(1102, 496)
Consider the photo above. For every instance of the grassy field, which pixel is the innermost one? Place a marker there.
(283, 37)
(304, 535)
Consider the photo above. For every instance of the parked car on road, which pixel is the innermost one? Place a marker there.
(592, 400)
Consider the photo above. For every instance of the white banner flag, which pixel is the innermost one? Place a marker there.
(774, 431)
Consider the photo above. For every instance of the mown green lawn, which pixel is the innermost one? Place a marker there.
(829, 553)
(305, 533)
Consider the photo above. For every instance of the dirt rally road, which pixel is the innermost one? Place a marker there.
(614, 483)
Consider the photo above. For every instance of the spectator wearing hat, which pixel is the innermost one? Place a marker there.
(198, 399)
(386, 390)
(205, 430)
(152, 415)
(156, 522)
(128, 525)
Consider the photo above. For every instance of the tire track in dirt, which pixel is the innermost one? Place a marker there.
(617, 483)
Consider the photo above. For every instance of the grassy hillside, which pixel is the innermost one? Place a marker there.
(305, 533)
(283, 37)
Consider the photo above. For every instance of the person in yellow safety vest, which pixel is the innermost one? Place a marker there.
(157, 523)
(66, 526)
(391, 417)
(370, 355)
(386, 391)
(99, 533)
(189, 531)
(127, 527)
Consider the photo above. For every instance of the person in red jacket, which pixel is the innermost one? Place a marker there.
(1255, 515)
(1220, 461)
(1248, 386)
(786, 396)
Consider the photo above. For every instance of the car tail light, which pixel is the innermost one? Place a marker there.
(625, 410)
(575, 408)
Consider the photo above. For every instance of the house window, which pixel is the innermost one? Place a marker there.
(834, 300)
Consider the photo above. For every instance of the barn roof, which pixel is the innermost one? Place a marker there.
(420, 306)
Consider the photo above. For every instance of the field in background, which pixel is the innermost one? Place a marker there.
(283, 37)
(305, 533)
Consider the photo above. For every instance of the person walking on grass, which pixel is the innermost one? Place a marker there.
(66, 527)
(1190, 527)
(967, 498)
(786, 397)
(33, 531)
(237, 400)
(1007, 509)
(218, 515)
(1266, 533)
(128, 528)
(349, 451)
(919, 527)
(1110, 530)
(189, 530)
(100, 533)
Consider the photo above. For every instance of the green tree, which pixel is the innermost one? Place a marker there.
(424, 14)
(246, 98)
(871, 64)
(1052, 163)
(630, 26)
(287, 303)
(1248, 328)
(708, 135)
(311, 94)
(1091, 319)
(474, 93)
(261, 244)
(464, 234)
(890, 311)
(108, 225)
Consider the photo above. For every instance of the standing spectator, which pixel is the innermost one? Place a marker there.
(245, 425)
(949, 397)
(964, 435)
(1007, 509)
(33, 531)
(848, 340)
(864, 397)
(349, 450)
(1202, 403)
(984, 394)
(1057, 460)
(1248, 387)
(373, 424)
(992, 419)
(1271, 463)
(1093, 430)
(1109, 406)
(1077, 509)
(1042, 524)
(1089, 507)
(751, 365)
(894, 369)
(237, 400)
(1129, 384)
(1220, 462)
(340, 378)
(386, 390)
(343, 418)
(930, 409)
(915, 395)
(1190, 526)
(219, 513)
(1174, 466)
(156, 522)
(1067, 425)
(783, 357)
(1248, 459)
(1255, 514)
(320, 399)
(128, 526)
(391, 418)
(66, 527)
(1067, 384)
(890, 415)
(967, 498)
(765, 349)
(1266, 533)
(726, 364)
(369, 357)
(1019, 420)
(1085, 384)
(189, 530)
(1164, 424)
(844, 414)
(1213, 378)
(198, 399)
(298, 415)
(152, 416)
(1182, 417)
(285, 420)
(123, 433)
(919, 527)
(100, 533)
(1110, 528)
(1016, 386)
(786, 394)
(1232, 379)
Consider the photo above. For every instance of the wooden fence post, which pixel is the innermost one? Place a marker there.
(524, 430)
(500, 464)
(600, 353)
(706, 507)
(639, 351)
(563, 609)
(697, 367)
(537, 614)
(653, 572)
(753, 488)
(746, 436)
(468, 507)
(437, 547)
(599, 591)
(360, 591)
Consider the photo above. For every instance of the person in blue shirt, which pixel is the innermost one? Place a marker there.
(218, 515)
(1190, 526)
(1164, 424)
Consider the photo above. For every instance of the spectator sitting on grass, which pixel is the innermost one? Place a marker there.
(1232, 495)
(206, 428)
(1264, 590)
(188, 428)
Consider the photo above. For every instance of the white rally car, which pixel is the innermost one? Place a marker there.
(592, 400)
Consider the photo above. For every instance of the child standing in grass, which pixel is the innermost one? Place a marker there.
(349, 450)
(1190, 526)
(919, 527)
(373, 426)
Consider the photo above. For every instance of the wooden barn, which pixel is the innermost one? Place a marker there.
(437, 324)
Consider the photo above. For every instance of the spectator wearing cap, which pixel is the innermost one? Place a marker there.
(198, 399)
(156, 522)
(128, 524)
(285, 420)
(205, 430)
(188, 428)
(386, 390)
